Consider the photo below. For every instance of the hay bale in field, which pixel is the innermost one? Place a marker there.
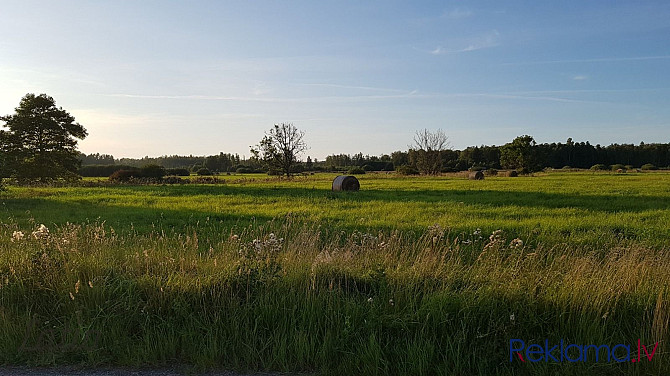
(512, 174)
(620, 171)
(346, 183)
(476, 175)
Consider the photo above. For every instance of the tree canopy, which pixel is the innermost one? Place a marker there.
(41, 141)
(281, 147)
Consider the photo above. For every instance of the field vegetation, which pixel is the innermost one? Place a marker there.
(410, 275)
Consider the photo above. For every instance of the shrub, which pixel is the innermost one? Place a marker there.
(152, 171)
(204, 172)
(244, 170)
(406, 170)
(491, 172)
(367, 167)
(102, 171)
(618, 166)
(649, 166)
(598, 167)
(177, 172)
(567, 168)
(124, 175)
(629, 167)
(356, 171)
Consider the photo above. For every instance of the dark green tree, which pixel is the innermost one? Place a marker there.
(521, 153)
(280, 148)
(41, 141)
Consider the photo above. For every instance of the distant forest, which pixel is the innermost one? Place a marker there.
(582, 155)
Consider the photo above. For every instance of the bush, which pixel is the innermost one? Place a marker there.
(649, 166)
(356, 171)
(177, 172)
(204, 172)
(599, 167)
(406, 170)
(491, 172)
(124, 175)
(618, 166)
(152, 171)
(102, 171)
(629, 167)
(244, 170)
(567, 168)
(367, 167)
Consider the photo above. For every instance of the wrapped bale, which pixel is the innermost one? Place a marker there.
(346, 183)
(476, 175)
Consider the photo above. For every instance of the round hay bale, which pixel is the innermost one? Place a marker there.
(346, 183)
(476, 175)
(512, 174)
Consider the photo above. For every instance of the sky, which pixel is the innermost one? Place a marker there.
(151, 78)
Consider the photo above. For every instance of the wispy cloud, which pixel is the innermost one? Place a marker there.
(457, 14)
(326, 99)
(596, 60)
(491, 39)
(580, 77)
(370, 88)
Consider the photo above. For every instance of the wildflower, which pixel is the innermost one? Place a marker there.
(71, 296)
(17, 236)
(511, 317)
(90, 284)
(41, 232)
(391, 302)
(516, 243)
(495, 235)
(370, 300)
(77, 286)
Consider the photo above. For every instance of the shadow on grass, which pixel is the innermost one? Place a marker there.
(603, 203)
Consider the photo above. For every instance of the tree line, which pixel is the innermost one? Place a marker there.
(522, 153)
(40, 144)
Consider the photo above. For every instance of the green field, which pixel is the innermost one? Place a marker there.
(408, 276)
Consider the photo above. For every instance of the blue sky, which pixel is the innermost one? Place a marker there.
(200, 77)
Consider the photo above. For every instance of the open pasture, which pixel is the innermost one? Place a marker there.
(574, 208)
(407, 276)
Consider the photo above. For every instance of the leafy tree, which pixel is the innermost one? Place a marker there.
(41, 143)
(427, 151)
(521, 153)
(280, 148)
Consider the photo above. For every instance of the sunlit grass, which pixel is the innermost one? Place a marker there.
(403, 277)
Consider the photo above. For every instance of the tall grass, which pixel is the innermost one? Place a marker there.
(291, 295)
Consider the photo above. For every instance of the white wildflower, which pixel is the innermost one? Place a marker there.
(41, 232)
(516, 243)
(17, 236)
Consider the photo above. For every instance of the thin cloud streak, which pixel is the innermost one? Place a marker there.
(598, 60)
(414, 94)
(487, 41)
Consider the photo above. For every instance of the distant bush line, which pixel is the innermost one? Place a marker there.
(570, 154)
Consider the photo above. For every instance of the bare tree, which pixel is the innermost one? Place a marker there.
(281, 147)
(427, 150)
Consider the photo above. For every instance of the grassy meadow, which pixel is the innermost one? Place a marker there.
(411, 275)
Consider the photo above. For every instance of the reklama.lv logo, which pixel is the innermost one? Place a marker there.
(579, 353)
